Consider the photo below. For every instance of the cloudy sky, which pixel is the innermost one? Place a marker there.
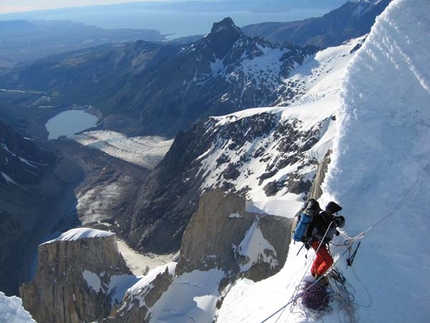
(25, 5)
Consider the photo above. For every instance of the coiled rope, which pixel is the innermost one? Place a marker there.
(295, 296)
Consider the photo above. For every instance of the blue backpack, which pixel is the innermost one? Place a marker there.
(305, 217)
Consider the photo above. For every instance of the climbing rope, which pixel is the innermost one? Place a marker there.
(296, 295)
(343, 294)
(349, 242)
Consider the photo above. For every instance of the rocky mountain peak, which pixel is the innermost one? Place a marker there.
(225, 25)
(79, 269)
(222, 36)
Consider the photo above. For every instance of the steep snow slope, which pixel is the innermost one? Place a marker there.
(379, 174)
(381, 170)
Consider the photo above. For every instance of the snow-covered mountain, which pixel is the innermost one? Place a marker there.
(159, 89)
(379, 174)
(369, 107)
(351, 20)
(269, 154)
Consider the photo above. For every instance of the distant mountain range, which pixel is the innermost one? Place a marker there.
(146, 88)
(351, 20)
(23, 41)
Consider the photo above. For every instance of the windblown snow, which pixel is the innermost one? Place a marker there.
(379, 174)
(81, 233)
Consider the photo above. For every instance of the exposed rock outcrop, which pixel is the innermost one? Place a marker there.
(76, 278)
(218, 151)
(223, 234)
(222, 242)
(81, 276)
(316, 190)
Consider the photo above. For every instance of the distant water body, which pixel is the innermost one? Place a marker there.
(168, 22)
(68, 123)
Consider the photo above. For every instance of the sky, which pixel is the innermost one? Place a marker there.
(7, 6)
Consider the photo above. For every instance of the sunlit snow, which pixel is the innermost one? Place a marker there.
(11, 310)
(81, 233)
(379, 173)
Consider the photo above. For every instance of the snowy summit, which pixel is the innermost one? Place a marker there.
(81, 233)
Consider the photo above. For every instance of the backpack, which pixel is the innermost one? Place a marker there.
(305, 217)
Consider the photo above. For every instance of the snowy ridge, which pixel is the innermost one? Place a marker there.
(364, 6)
(192, 297)
(384, 131)
(259, 64)
(145, 284)
(379, 172)
(81, 233)
(260, 154)
(118, 284)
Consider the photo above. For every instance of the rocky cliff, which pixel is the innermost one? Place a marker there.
(76, 278)
(215, 154)
(223, 234)
(82, 277)
(222, 242)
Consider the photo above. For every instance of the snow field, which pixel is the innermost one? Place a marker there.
(142, 151)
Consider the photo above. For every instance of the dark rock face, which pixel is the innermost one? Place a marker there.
(145, 88)
(222, 37)
(21, 159)
(169, 196)
(353, 19)
(36, 197)
(218, 236)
